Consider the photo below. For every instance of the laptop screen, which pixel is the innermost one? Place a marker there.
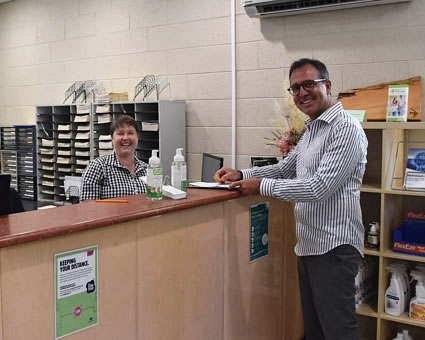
(4, 194)
(210, 165)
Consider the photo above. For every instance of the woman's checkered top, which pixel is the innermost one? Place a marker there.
(106, 177)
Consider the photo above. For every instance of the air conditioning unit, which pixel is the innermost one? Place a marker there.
(273, 8)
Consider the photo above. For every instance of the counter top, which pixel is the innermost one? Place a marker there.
(41, 224)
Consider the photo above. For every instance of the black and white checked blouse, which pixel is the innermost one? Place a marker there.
(323, 176)
(106, 177)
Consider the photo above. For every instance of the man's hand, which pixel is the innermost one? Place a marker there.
(227, 175)
(247, 186)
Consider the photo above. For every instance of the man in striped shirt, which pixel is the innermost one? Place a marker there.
(322, 175)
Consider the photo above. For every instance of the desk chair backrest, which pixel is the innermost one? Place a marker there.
(4, 194)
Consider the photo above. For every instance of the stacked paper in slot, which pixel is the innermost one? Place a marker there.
(82, 153)
(118, 96)
(83, 135)
(46, 151)
(105, 152)
(64, 127)
(102, 98)
(47, 142)
(105, 145)
(150, 126)
(64, 135)
(47, 159)
(64, 169)
(82, 161)
(104, 118)
(64, 152)
(47, 183)
(83, 108)
(47, 167)
(83, 127)
(48, 176)
(64, 144)
(82, 144)
(103, 108)
(63, 160)
(82, 119)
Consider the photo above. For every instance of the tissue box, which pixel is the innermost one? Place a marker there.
(410, 238)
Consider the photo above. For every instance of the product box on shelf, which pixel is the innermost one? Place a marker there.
(409, 238)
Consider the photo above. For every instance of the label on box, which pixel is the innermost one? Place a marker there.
(414, 249)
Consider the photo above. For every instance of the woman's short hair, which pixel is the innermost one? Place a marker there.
(123, 120)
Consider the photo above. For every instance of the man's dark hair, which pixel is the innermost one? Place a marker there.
(123, 120)
(323, 71)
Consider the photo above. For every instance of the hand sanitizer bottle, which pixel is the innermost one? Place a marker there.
(179, 171)
(154, 178)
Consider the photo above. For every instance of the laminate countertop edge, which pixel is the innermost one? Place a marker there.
(46, 223)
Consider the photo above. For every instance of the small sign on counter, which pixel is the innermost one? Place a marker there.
(76, 290)
(259, 230)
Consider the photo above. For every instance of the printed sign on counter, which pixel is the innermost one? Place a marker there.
(76, 291)
(259, 226)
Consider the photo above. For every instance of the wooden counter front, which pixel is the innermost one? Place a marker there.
(167, 269)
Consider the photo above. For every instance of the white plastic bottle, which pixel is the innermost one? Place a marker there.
(394, 304)
(417, 304)
(406, 335)
(373, 236)
(179, 171)
(154, 177)
(405, 282)
(399, 336)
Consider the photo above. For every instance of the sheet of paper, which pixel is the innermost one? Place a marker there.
(208, 185)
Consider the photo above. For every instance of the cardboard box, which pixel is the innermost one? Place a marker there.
(374, 99)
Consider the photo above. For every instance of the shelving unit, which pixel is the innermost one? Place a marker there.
(381, 201)
(18, 158)
(26, 161)
(69, 136)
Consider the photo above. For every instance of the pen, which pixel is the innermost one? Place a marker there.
(111, 201)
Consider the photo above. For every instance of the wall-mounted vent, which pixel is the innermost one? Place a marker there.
(272, 8)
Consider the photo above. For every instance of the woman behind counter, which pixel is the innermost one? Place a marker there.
(118, 174)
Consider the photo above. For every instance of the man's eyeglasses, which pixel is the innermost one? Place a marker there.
(306, 84)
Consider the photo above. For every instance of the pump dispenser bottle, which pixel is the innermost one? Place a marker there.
(154, 177)
(417, 304)
(399, 336)
(394, 296)
(179, 171)
(406, 335)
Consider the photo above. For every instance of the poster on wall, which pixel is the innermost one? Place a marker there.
(259, 227)
(76, 290)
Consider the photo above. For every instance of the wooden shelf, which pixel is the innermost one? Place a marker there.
(394, 125)
(371, 188)
(404, 318)
(405, 257)
(404, 192)
(367, 309)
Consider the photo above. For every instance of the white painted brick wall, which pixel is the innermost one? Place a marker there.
(47, 45)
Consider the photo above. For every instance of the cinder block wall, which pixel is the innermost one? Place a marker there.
(46, 45)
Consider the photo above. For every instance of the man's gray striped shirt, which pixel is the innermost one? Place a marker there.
(323, 176)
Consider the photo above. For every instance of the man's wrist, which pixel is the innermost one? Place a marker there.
(240, 175)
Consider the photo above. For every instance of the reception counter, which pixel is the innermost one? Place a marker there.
(170, 269)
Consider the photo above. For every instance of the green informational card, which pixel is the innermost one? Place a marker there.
(360, 115)
(259, 225)
(76, 291)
